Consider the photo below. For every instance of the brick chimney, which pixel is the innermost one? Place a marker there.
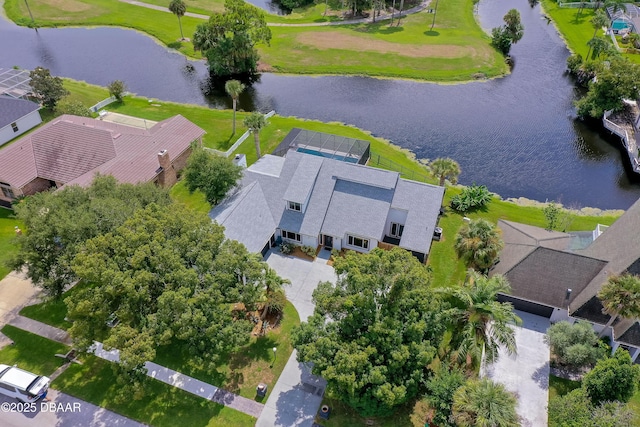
(167, 176)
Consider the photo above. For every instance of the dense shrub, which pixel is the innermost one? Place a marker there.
(309, 250)
(614, 378)
(440, 390)
(574, 345)
(472, 197)
(286, 248)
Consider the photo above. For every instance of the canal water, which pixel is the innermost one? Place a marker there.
(518, 135)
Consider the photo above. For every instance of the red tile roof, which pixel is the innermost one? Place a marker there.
(73, 149)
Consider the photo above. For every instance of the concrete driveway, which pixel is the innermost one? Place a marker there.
(304, 276)
(527, 373)
(297, 395)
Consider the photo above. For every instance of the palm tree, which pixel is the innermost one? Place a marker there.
(234, 88)
(273, 296)
(620, 297)
(479, 244)
(483, 403)
(479, 324)
(444, 168)
(178, 8)
(598, 21)
(255, 122)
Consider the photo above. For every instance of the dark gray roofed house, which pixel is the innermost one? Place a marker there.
(16, 117)
(549, 277)
(313, 200)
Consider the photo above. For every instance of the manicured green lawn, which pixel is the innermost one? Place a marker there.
(243, 370)
(456, 50)
(195, 200)
(410, 415)
(8, 222)
(163, 405)
(559, 386)
(31, 352)
(52, 311)
(576, 29)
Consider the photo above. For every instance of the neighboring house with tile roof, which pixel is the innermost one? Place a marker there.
(16, 117)
(71, 150)
(550, 277)
(311, 201)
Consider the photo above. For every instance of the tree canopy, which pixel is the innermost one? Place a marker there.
(613, 378)
(228, 39)
(212, 174)
(255, 122)
(49, 89)
(510, 33)
(483, 403)
(615, 82)
(58, 223)
(445, 168)
(479, 243)
(168, 276)
(374, 332)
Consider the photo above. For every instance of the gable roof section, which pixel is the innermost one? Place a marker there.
(523, 234)
(545, 274)
(246, 217)
(303, 179)
(357, 209)
(12, 109)
(18, 164)
(618, 245)
(63, 151)
(422, 202)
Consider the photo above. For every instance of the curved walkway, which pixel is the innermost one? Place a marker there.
(383, 17)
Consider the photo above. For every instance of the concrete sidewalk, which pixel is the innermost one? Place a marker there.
(16, 291)
(160, 373)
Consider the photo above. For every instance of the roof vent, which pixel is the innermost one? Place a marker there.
(117, 135)
(568, 295)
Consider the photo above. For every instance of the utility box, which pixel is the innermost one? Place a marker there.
(261, 390)
(324, 412)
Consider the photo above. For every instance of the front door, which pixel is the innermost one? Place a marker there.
(328, 241)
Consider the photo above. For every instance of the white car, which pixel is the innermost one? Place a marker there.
(22, 385)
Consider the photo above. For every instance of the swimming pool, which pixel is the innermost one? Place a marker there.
(342, 158)
(619, 25)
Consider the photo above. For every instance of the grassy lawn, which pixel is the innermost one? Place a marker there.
(163, 405)
(7, 231)
(52, 311)
(195, 200)
(559, 386)
(456, 50)
(243, 370)
(31, 352)
(576, 30)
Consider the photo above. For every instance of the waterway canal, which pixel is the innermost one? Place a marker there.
(518, 134)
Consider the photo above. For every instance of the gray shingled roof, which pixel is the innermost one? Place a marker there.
(254, 226)
(544, 275)
(345, 198)
(12, 109)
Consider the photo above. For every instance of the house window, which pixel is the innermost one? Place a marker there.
(396, 229)
(359, 242)
(14, 126)
(7, 191)
(295, 206)
(291, 235)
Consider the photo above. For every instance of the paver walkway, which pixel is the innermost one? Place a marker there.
(160, 373)
(382, 17)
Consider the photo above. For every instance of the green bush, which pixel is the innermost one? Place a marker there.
(309, 250)
(614, 378)
(574, 345)
(286, 248)
(472, 197)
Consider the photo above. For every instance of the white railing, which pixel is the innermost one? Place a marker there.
(239, 141)
(585, 5)
(105, 102)
(629, 143)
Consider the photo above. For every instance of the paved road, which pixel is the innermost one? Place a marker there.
(61, 411)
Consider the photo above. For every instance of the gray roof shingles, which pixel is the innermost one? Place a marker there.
(345, 198)
(12, 109)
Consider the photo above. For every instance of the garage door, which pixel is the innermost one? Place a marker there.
(528, 306)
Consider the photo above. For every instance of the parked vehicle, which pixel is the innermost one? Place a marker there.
(22, 385)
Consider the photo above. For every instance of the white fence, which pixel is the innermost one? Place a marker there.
(629, 142)
(585, 5)
(239, 141)
(105, 102)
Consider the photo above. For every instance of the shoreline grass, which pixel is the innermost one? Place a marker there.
(457, 50)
